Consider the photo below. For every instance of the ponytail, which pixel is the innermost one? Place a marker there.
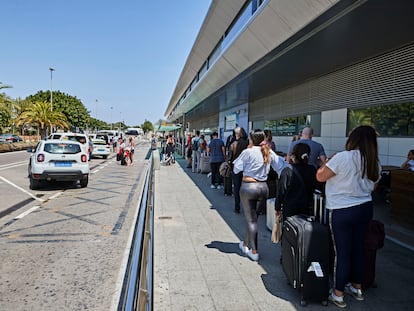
(265, 149)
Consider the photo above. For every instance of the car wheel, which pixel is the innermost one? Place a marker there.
(34, 184)
(84, 182)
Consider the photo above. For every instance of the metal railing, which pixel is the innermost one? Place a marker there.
(137, 291)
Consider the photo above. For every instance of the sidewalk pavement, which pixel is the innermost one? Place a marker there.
(198, 264)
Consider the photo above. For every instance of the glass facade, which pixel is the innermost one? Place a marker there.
(293, 125)
(394, 120)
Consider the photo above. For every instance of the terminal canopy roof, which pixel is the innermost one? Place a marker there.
(168, 128)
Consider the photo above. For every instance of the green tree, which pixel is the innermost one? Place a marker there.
(357, 117)
(5, 108)
(39, 114)
(97, 124)
(76, 113)
(147, 126)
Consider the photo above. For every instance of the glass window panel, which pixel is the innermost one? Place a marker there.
(411, 120)
(214, 55)
(293, 125)
(394, 120)
(202, 71)
(286, 127)
(238, 25)
(270, 125)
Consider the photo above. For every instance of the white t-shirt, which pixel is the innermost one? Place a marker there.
(251, 163)
(347, 188)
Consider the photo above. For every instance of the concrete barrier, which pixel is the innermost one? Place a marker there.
(156, 159)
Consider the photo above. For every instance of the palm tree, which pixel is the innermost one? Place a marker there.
(40, 114)
(4, 86)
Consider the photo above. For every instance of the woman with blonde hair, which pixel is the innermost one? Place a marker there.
(255, 163)
(350, 178)
(131, 150)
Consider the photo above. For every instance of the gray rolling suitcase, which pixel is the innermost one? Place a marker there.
(205, 164)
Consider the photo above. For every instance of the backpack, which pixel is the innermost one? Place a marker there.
(203, 145)
(194, 144)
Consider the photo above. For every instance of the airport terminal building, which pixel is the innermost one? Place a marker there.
(285, 64)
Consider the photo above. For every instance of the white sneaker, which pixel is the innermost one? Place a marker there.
(339, 301)
(354, 292)
(243, 247)
(212, 187)
(254, 257)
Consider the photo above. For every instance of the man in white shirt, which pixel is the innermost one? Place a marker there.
(114, 142)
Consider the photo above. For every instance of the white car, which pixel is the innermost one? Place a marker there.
(100, 148)
(82, 138)
(58, 160)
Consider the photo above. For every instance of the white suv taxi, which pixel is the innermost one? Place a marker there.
(82, 138)
(58, 160)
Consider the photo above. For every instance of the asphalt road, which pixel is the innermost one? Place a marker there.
(63, 247)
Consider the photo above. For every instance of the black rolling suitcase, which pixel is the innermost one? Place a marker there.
(306, 256)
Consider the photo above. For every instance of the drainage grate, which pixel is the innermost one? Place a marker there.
(165, 217)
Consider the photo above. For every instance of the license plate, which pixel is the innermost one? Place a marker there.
(102, 150)
(63, 164)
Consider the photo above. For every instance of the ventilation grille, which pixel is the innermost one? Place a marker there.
(385, 79)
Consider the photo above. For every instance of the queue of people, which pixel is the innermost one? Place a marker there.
(347, 179)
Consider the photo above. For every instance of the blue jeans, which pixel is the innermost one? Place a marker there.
(349, 227)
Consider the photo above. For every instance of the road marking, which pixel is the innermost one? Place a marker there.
(27, 212)
(11, 165)
(55, 195)
(21, 189)
(99, 167)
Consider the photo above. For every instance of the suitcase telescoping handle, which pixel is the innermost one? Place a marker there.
(318, 208)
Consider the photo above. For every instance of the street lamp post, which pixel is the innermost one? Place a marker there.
(96, 115)
(51, 94)
(111, 117)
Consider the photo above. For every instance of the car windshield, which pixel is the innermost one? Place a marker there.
(98, 142)
(77, 138)
(62, 148)
(132, 132)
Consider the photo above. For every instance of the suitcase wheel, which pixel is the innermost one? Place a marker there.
(303, 303)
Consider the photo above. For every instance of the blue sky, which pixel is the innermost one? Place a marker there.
(125, 54)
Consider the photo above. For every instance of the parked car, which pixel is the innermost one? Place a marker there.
(111, 134)
(10, 138)
(79, 137)
(135, 132)
(100, 148)
(58, 160)
(105, 137)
